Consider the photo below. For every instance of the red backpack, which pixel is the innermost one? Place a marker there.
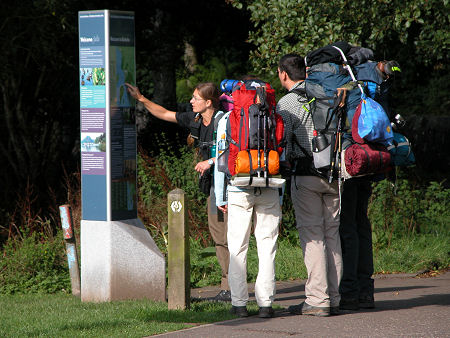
(255, 131)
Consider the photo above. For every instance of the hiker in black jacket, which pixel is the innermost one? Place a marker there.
(357, 285)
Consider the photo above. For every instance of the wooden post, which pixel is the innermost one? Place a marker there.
(71, 248)
(179, 291)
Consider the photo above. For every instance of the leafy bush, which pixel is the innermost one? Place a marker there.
(407, 209)
(410, 229)
(205, 269)
(213, 71)
(160, 174)
(35, 263)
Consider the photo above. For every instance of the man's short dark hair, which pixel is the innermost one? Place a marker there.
(294, 66)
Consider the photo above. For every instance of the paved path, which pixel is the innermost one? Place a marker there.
(406, 306)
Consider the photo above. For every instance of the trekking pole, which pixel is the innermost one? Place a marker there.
(333, 159)
(340, 119)
(265, 114)
(266, 155)
(258, 98)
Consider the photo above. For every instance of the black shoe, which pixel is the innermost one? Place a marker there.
(366, 302)
(240, 311)
(222, 296)
(265, 312)
(349, 304)
(334, 310)
(306, 309)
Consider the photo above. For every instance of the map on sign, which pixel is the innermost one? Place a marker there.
(122, 70)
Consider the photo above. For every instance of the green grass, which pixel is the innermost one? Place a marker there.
(413, 253)
(62, 315)
(407, 254)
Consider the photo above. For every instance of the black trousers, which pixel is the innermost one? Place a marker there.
(356, 239)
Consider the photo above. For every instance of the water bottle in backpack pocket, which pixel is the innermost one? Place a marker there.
(321, 150)
(323, 144)
(222, 154)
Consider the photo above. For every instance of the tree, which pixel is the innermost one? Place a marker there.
(39, 90)
(36, 69)
(283, 26)
(413, 32)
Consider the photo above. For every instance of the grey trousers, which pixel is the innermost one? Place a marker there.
(316, 205)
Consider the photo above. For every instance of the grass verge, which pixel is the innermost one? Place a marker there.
(62, 315)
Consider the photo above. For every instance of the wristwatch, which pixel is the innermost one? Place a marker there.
(210, 161)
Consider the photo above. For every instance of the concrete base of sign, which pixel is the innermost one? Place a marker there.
(120, 260)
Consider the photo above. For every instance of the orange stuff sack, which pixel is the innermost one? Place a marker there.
(243, 161)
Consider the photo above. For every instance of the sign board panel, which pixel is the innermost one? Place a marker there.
(107, 115)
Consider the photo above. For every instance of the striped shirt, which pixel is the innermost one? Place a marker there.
(298, 122)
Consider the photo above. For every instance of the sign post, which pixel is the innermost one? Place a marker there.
(71, 247)
(179, 291)
(119, 258)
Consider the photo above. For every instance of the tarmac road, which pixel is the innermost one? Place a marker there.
(406, 306)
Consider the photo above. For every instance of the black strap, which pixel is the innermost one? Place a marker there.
(220, 217)
(250, 162)
(367, 154)
(304, 151)
(302, 92)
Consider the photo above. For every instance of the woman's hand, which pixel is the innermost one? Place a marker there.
(202, 166)
(134, 91)
(223, 208)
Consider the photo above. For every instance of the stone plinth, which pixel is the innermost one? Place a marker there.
(120, 260)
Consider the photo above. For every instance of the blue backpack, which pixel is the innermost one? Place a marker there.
(401, 153)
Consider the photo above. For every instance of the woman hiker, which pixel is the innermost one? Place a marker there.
(200, 122)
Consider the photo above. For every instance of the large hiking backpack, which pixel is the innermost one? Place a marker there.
(329, 69)
(322, 83)
(255, 135)
(328, 118)
(319, 162)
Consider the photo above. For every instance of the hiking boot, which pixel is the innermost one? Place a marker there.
(349, 304)
(222, 296)
(366, 302)
(265, 312)
(334, 310)
(306, 309)
(240, 311)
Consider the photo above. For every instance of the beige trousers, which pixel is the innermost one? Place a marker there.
(218, 232)
(263, 206)
(316, 205)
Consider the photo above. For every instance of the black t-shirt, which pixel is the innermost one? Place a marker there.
(205, 133)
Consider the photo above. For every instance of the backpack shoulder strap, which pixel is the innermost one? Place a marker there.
(217, 116)
(304, 151)
(299, 91)
(302, 92)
